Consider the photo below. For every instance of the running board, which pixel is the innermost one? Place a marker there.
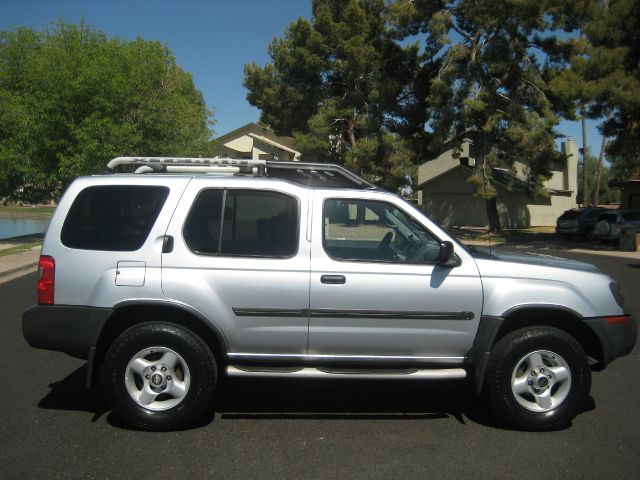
(307, 372)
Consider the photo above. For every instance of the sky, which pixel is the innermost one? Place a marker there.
(212, 40)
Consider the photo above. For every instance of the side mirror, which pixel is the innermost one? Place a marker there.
(446, 255)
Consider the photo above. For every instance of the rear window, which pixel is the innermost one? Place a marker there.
(594, 213)
(113, 217)
(570, 215)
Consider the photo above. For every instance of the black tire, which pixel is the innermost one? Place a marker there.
(558, 352)
(194, 369)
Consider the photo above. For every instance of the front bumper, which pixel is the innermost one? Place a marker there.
(616, 339)
(64, 328)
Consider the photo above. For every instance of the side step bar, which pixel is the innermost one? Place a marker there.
(307, 372)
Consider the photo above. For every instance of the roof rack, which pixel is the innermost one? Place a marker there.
(308, 174)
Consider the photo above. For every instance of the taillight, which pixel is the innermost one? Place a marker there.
(46, 279)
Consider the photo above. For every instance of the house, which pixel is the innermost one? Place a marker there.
(446, 195)
(256, 142)
(629, 191)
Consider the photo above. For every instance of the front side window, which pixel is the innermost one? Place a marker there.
(112, 217)
(243, 223)
(374, 231)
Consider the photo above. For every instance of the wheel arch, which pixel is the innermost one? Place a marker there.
(562, 318)
(131, 313)
(492, 329)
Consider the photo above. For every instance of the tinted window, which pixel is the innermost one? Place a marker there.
(570, 215)
(609, 217)
(113, 217)
(243, 222)
(594, 213)
(366, 230)
(202, 228)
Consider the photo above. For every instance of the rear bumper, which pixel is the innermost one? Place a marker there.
(617, 339)
(63, 328)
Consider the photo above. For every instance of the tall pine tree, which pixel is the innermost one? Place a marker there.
(488, 82)
(334, 83)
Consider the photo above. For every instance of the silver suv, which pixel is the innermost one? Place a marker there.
(189, 269)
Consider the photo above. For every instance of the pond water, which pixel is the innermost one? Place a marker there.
(14, 227)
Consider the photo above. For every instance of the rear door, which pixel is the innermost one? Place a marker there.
(241, 257)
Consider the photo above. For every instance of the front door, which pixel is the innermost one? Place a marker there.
(377, 291)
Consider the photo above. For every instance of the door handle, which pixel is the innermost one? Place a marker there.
(333, 279)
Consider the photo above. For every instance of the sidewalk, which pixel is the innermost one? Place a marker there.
(14, 265)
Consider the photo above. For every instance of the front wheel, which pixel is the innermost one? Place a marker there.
(159, 376)
(537, 378)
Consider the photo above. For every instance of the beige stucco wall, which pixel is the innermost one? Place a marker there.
(261, 148)
(450, 201)
(570, 149)
(241, 144)
(546, 215)
(449, 198)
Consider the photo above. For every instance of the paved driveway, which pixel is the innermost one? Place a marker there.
(51, 428)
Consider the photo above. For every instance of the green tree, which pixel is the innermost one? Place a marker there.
(71, 98)
(598, 72)
(488, 83)
(615, 39)
(334, 84)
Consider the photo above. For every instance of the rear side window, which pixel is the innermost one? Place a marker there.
(594, 214)
(244, 223)
(113, 217)
(609, 217)
(570, 215)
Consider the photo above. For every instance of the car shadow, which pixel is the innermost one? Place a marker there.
(71, 393)
(299, 399)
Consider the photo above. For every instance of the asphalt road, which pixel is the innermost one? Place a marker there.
(51, 428)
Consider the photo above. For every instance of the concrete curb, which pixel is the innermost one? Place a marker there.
(11, 271)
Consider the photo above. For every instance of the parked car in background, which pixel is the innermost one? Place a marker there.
(610, 225)
(578, 221)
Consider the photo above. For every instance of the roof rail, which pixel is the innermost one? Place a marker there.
(310, 174)
(159, 164)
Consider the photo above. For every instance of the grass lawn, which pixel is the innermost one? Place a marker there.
(27, 210)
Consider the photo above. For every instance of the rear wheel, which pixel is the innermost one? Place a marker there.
(159, 376)
(537, 378)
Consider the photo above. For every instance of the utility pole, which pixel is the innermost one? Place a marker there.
(596, 188)
(585, 168)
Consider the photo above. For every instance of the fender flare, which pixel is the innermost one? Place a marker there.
(202, 319)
